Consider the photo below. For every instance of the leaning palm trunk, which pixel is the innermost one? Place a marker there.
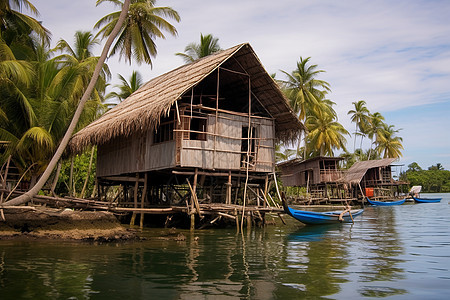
(24, 198)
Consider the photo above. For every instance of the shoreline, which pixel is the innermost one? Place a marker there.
(25, 222)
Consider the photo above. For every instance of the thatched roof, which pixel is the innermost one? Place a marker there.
(356, 172)
(299, 161)
(144, 108)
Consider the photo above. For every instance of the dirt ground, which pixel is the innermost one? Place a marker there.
(41, 222)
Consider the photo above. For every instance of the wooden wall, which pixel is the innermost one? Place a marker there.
(134, 154)
(220, 150)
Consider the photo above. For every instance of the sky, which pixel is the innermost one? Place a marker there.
(395, 55)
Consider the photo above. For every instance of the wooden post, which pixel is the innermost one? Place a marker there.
(266, 187)
(136, 186)
(144, 194)
(71, 186)
(237, 220)
(228, 195)
(4, 179)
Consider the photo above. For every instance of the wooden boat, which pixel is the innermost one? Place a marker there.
(386, 203)
(427, 200)
(329, 217)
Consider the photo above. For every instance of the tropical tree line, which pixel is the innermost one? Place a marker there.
(433, 180)
(47, 94)
(325, 135)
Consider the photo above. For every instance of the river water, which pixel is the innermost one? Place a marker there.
(400, 252)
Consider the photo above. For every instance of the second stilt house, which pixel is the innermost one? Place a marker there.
(213, 122)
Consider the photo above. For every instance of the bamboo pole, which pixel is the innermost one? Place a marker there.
(247, 165)
(228, 195)
(136, 186)
(144, 194)
(217, 116)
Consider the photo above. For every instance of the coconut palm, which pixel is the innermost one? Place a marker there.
(208, 45)
(375, 125)
(39, 115)
(360, 118)
(16, 26)
(303, 89)
(24, 198)
(78, 63)
(126, 88)
(324, 135)
(283, 153)
(388, 143)
(143, 24)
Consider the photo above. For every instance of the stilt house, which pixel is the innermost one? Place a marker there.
(319, 175)
(374, 178)
(214, 122)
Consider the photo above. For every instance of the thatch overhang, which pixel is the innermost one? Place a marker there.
(299, 161)
(145, 107)
(355, 174)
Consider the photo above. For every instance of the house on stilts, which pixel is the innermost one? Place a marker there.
(374, 179)
(326, 182)
(319, 175)
(200, 138)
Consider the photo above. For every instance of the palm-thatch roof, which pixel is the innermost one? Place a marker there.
(355, 174)
(144, 108)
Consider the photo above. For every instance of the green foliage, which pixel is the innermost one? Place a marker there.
(433, 180)
(80, 170)
(208, 45)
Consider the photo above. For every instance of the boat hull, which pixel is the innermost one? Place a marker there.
(427, 200)
(390, 203)
(315, 218)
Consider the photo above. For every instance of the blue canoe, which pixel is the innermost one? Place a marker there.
(313, 218)
(386, 203)
(427, 200)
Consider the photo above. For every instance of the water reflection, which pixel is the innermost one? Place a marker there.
(381, 265)
(387, 252)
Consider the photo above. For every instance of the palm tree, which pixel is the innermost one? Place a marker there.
(325, 134)
(47, 106)
(208, 45)
(360, 117)
(15, 26)
(375, 125)
(284, 155)
(24, 198)
(143, 24)
(388, 143)
(126, 88)
(78, 63)
(303, 89)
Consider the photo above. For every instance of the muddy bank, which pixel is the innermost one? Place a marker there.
(42, 222)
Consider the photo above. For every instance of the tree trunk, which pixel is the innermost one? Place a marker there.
(24, 198)
(55, 181)
(88, 173)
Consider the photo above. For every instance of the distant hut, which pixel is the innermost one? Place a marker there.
(374, 179)
(213, 122)
(319, 175)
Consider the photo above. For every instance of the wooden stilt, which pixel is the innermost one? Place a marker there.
(266, 187)
(228, 195)
(136, 186)
(144, 194)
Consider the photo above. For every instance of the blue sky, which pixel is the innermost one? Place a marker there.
(395, 55)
